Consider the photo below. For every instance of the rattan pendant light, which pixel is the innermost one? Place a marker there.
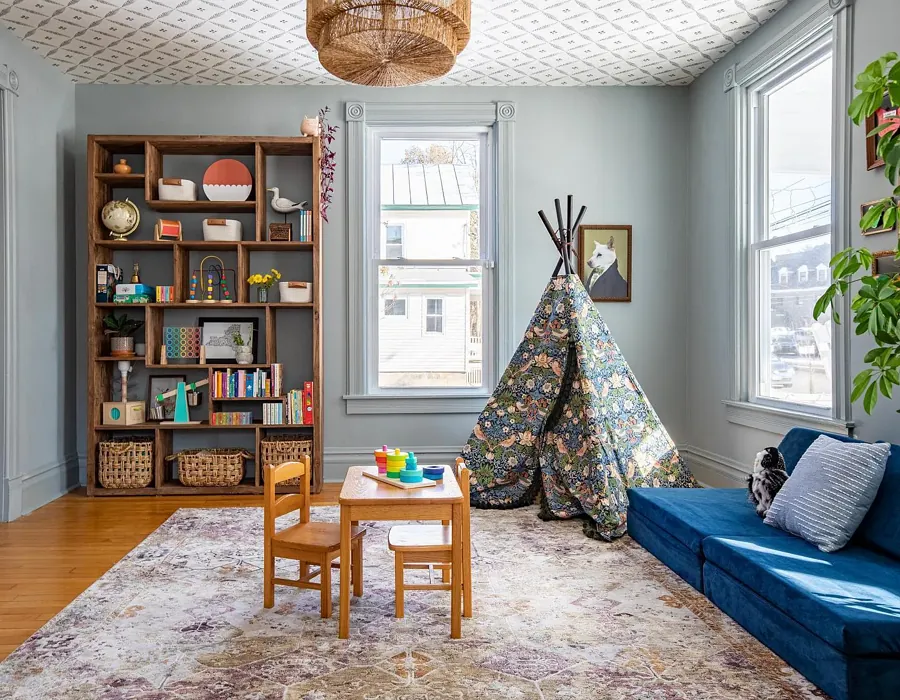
(388, 43)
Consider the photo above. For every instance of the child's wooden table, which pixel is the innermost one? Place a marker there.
(365, 499)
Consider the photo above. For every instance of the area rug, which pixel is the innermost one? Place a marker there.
(557, 617)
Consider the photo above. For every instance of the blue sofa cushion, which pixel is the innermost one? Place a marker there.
(691, 515)
(850, 598)
(881, 527)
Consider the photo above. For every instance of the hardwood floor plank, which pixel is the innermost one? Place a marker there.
(52, 555)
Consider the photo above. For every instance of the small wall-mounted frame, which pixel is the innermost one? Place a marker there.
(885, 262)
(886, 111)
(605, 261)
(879, 227)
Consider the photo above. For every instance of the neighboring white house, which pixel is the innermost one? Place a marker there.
(429, 317)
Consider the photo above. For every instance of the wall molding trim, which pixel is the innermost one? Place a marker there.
(704, 464)
(372, 404)
(337, 460)
(779, 420)
(42, 485)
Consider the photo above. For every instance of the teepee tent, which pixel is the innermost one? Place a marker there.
(568, 423)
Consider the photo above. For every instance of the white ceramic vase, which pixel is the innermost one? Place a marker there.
(243, 355)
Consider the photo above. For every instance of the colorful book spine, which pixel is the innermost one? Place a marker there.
(273, 414)
(232, 418)
(307, 403)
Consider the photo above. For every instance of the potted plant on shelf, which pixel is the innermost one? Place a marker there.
(121, 330)
(243, 353)
(876, 303)
(264, 284)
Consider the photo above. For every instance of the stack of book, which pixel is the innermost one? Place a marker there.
(304, 233)
(231, 418)
(300, 405)
(273, 414)
(247, 384)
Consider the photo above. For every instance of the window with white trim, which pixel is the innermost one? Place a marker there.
(788, 203)
(431, 249)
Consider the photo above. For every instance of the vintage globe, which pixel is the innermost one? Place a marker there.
(121, 217)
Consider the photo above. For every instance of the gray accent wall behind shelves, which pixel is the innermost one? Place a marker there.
(709, 316)
(623, 152)
(42, 398)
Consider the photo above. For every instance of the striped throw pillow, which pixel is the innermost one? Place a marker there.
(830, 491)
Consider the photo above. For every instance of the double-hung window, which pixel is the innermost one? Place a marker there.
(791, 219)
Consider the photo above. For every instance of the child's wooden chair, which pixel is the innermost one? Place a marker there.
(309, 543)
(430, 547)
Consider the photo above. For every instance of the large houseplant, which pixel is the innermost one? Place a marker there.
(876, 303)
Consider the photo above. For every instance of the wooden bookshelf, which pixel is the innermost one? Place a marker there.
(105, 185)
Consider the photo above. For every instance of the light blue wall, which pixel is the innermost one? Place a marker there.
(620, 151)
(44, 402)
(710, 237)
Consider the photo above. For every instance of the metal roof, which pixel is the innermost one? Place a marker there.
(432, 186)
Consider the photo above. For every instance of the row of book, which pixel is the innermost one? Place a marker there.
(300, 405)
(273, 414)
(304, 232)
(231, 418)
(248, 384)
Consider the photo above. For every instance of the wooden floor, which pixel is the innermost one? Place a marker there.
(47, 558)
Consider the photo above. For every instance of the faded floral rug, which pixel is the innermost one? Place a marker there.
(557, 617)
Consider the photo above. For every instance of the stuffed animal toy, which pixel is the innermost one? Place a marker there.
(766, 480)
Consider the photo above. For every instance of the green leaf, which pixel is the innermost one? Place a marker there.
(870, 399)
(859, 387)
(866, 258)
(890, 217)
(884, 385)
(871, 218)
(872, 355)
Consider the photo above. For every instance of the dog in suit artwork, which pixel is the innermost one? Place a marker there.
(606, 263)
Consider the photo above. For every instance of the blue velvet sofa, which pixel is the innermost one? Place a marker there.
(834, 617)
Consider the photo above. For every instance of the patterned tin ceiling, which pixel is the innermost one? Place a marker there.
(514, 42)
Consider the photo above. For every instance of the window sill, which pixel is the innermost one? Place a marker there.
(368, 404)
(780, 420)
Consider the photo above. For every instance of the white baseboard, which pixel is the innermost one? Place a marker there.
(28, 492)
(714, 470)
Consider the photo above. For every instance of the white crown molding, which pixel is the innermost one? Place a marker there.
(431, 113)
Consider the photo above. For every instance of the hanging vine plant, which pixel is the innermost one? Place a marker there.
(876, 304)
(328, 134)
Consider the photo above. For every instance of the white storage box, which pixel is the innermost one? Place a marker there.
(295, 292)
(222, 230)
(175, 189)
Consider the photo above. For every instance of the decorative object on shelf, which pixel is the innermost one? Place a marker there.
(280, 231)
(123, 412)
(140, 349)
(222, 230)
(264, 284)
(122, 167)
(202, 354)
(243, 354)
(161, 384)
(328, 163)
(167, 230)
(606, 262)
(165, 294)
(391, 43)
(227, 180)
(133, 294)
(218, 337)
(125, 463)
(310, 126)
(879, 216)
(136, 273)
(121, 330)
(215, 274)
(181, 342)
(176, 189)
(295, 292)
(283, 205)
(121, 217)
(108, 276)
(211, 467)
(884, 122)
(163, 356)
(180, 392)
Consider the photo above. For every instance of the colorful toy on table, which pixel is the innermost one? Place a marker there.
(435, 473)
(411, 473)
(396, 461)
(381, 459)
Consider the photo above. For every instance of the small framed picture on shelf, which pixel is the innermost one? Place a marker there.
(883, 114)
(885, 262)
(879, 226)
(160, 384)
(219, 336)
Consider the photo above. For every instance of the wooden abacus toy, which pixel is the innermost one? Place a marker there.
(216, 282)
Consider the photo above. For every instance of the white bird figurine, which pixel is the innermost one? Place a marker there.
(283, 205)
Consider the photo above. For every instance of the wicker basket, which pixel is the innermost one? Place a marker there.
(126, 463)
(211, 467)
(279, 449)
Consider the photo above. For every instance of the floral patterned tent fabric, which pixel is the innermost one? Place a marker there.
(570, 420)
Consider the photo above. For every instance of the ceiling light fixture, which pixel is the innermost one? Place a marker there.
(388, 43)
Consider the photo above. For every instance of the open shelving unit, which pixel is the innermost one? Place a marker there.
(303, 154)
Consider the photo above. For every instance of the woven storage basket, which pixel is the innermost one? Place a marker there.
(126, 463)
(279, 449)
(211, 467)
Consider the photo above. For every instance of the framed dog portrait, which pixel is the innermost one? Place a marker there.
(605, 261)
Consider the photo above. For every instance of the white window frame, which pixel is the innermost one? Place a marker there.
(404, 299)
(826, 27)
(402, 228)
(821, 273)
(442, 316)
(803, 273)
(10, 505)
(366, 124)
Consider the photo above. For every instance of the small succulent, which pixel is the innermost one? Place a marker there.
(120, 326)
